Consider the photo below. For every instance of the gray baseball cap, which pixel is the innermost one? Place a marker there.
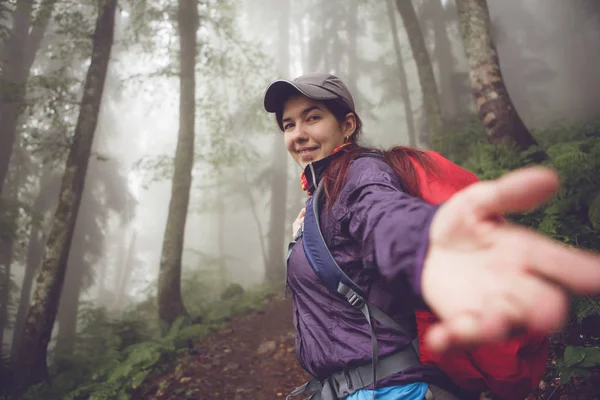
(316, 86)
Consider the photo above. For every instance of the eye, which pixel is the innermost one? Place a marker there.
(288, 126)
(313, 117)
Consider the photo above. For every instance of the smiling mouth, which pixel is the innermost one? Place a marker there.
(307, 153)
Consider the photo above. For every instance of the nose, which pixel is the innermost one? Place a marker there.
(299, 134)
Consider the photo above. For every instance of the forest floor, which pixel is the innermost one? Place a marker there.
(254, 358)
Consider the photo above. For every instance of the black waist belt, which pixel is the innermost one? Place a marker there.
(348, 381)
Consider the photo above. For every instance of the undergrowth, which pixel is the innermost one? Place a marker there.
(114, 355)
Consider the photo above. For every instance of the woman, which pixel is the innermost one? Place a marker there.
(482, 277)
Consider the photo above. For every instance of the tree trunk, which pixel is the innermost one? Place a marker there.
(45, 201)
(404, 92)
(127, 268)
(6, 258)
(431, 100)
(494, 106)
(31, 365)
(17, 60)
(445, 60)
(352, 28)
(275, 268)
(170, 304)
(9, 222)
(69, 299)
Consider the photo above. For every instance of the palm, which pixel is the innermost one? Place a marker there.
(485, 278)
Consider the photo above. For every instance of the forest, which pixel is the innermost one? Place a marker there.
(146, 197)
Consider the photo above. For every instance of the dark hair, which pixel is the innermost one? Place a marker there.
(401, 159)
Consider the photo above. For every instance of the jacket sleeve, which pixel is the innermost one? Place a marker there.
(391, 226)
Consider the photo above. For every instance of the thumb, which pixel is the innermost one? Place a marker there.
(517, 191)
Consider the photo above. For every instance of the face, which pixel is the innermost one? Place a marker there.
(311, 131)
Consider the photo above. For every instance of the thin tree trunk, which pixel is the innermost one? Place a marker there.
(9, 216)
(69, 300)
(275, 271)
(444, 58)
(127, 271)
(35, 247)
(221, 209)
(17, 60)
(6, 259)
(494, 106)
(352, 27)
(252, 204)
(431, 100)
(6, 254)
(170, 303)
(34, 257)
(404, 92)
(31, 364)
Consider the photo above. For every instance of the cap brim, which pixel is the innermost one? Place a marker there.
(278, 91)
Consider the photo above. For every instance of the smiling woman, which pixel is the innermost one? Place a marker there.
(312, 131)
(456, 274)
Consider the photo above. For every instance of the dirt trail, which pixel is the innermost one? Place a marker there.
(253, 358)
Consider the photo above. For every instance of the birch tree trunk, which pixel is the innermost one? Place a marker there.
(494, 106)
(31, 364)
(170, 303)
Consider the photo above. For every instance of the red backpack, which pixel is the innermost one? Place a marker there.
(510, 369)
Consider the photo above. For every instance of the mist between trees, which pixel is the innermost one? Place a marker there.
(139, 174)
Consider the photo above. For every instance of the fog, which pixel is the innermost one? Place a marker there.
(549, 52)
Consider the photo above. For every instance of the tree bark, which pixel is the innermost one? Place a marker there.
(31, 366)
(45, 201)
(444, 58)
(69, 299)
(404, 93)
(494, 106)
(7, 241)
(275, 268)
(17, 60)
(431, 100)
(170, 303)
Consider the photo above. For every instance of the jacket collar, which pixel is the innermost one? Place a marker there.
(314, 171)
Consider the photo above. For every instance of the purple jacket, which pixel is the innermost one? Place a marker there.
(378, 235)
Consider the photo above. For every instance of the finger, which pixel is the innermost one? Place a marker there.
(461, 331)
(574, 269)
(302, 213)
(546, 304)
(520, 190)
(501, 317)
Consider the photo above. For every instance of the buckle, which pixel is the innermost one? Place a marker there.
(354, 299)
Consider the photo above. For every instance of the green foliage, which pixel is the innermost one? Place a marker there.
(578, 361)
(114, 356)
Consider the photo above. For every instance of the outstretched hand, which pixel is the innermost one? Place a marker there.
(486, 278)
